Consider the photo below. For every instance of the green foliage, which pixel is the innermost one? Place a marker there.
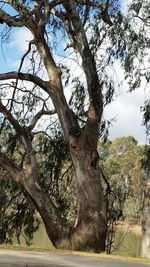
(56, 172)
(122, 165)
(77, 100)
(146, 116)
(18, 218)
(133, 209)
(133, 43)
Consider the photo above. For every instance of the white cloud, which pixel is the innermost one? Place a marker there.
(20, 40)
(124, 5)
(126, 110)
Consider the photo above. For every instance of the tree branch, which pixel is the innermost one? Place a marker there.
(38, 116)
(25, 77)
(103, 7)
(10, 166)
(12, 21)
(89, 66)
(10, 118)
(26, 17)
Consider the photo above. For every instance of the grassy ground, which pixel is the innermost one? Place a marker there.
(69, 252)
(134, 229)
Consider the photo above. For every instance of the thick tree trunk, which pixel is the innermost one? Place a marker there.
(90, 229)
(89, 232)
(146, 217)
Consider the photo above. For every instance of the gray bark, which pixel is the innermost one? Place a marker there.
(146, 216)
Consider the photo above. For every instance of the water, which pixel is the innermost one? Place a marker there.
(127, 242)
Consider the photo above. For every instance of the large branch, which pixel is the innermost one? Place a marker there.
(10, 166)
(55, 87)
(13, 21)
(89, 66)
(25, 77)
(26, 17)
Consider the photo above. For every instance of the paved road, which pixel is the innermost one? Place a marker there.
(14, 258)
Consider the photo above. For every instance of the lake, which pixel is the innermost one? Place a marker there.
(127, 240)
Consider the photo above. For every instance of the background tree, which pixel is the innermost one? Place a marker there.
(133, 50)
(122, 164)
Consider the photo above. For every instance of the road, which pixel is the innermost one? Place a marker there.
(17, 258)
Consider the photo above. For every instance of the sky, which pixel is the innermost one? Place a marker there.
(126, 105)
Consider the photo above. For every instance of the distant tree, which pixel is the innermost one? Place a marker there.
(122, 164)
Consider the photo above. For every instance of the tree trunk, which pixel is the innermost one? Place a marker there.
(90, 229)
(146, 216)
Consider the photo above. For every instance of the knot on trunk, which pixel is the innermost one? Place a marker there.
(94, 159)
(74, 134)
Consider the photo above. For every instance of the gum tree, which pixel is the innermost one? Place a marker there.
(88, 28)
(89, 230)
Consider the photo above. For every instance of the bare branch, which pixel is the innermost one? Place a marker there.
(12, 21)
(25, 77)
(38, 116)
(10, 118)
(22, 60)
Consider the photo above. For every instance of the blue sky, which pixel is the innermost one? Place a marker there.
(125, 108)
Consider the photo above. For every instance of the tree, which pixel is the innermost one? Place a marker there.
(146, 204)
(22, 107)
(122, 165)
(89, 231)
